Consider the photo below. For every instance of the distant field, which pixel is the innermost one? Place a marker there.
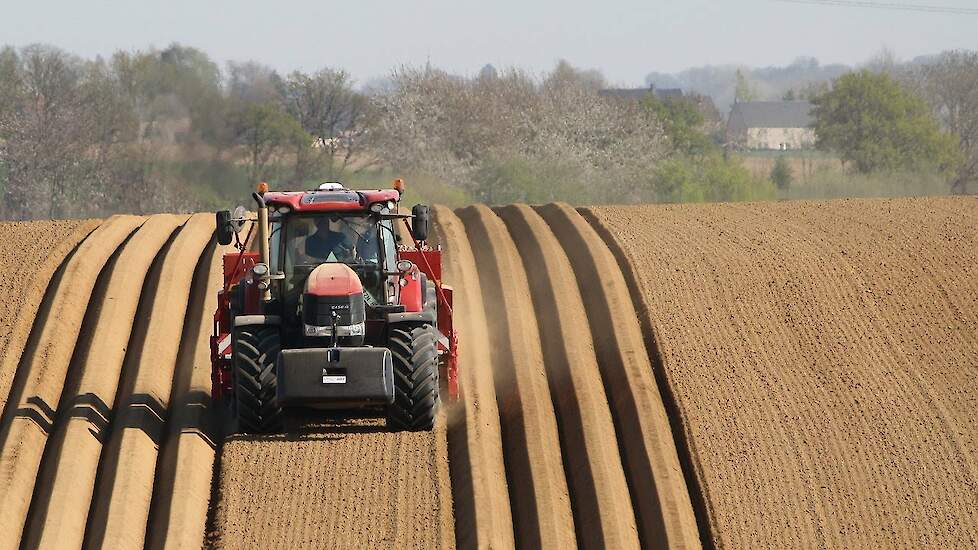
(817, 175)
(803, 164)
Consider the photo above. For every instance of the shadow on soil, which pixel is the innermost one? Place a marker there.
(687, 454)
(318, 425)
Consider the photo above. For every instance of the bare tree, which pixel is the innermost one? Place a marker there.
(69, 139)
(45, 134)
(950, 85)
(483, 132)
(333, 113)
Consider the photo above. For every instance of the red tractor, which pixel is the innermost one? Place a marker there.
(326, 309)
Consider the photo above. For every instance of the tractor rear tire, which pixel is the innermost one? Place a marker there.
(415, 354)
(256, 351)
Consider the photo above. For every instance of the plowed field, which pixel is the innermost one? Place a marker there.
(743, 376)
(822, 362)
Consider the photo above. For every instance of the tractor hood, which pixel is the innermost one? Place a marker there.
(333, 296)
(333, 280)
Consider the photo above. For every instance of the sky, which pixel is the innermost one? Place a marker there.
(625, 39)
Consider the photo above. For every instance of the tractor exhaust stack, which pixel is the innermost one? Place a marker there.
(265, 279)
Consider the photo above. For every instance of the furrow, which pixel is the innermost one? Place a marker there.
(603, 513)
(24, 308)
(534, 468)
(61, 501)
(44, 366)
(678, 417)
(186, 462)
(120, 508)
(483, 517)
(663, 509)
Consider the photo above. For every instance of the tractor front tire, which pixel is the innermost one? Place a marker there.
(415, 354)
(256, 351)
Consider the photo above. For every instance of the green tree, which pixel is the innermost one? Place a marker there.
(708, 178)
(682, 121)
(781, 173)
(868, 119)
(266, 131)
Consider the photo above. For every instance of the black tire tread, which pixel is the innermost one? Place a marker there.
(255, 355)
(415, 354)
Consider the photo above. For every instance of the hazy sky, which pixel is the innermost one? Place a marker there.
(625, 39)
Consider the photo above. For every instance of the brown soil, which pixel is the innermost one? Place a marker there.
(482, 509)
(83, 361)
(662, 503)
(762, 375)
(41, 374)
(31, 252)
(603, 515)
(60, 506)
(541, 503)
(587, 450)
(335, 486)
(120, 507)
(821, 359)
(181, 493)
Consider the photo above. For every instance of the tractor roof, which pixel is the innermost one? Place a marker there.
(330, 200)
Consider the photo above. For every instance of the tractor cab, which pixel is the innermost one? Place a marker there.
(321, 294)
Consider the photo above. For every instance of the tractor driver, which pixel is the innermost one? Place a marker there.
(329, 240)
(333, 240)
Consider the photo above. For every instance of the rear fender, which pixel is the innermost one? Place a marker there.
(412, 317)
(412, 292)
(239, 289)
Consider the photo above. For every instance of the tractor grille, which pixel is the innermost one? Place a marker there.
(318, 310)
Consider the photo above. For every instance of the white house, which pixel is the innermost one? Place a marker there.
(778, 125)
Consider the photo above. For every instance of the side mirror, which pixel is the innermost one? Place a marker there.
(225, 230)
(238, 219)
(420, 225)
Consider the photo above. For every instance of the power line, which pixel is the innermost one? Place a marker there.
(894, 6)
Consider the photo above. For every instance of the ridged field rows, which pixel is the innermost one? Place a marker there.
(116, 327)
(32, 253)
(483, 517)
(754, 375)
(587, 451)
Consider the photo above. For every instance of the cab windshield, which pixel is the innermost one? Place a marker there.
(317, 239)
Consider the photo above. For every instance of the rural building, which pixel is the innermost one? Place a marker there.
(778, 125)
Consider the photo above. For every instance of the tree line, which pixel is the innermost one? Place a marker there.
(171, 130)
(92, 137)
